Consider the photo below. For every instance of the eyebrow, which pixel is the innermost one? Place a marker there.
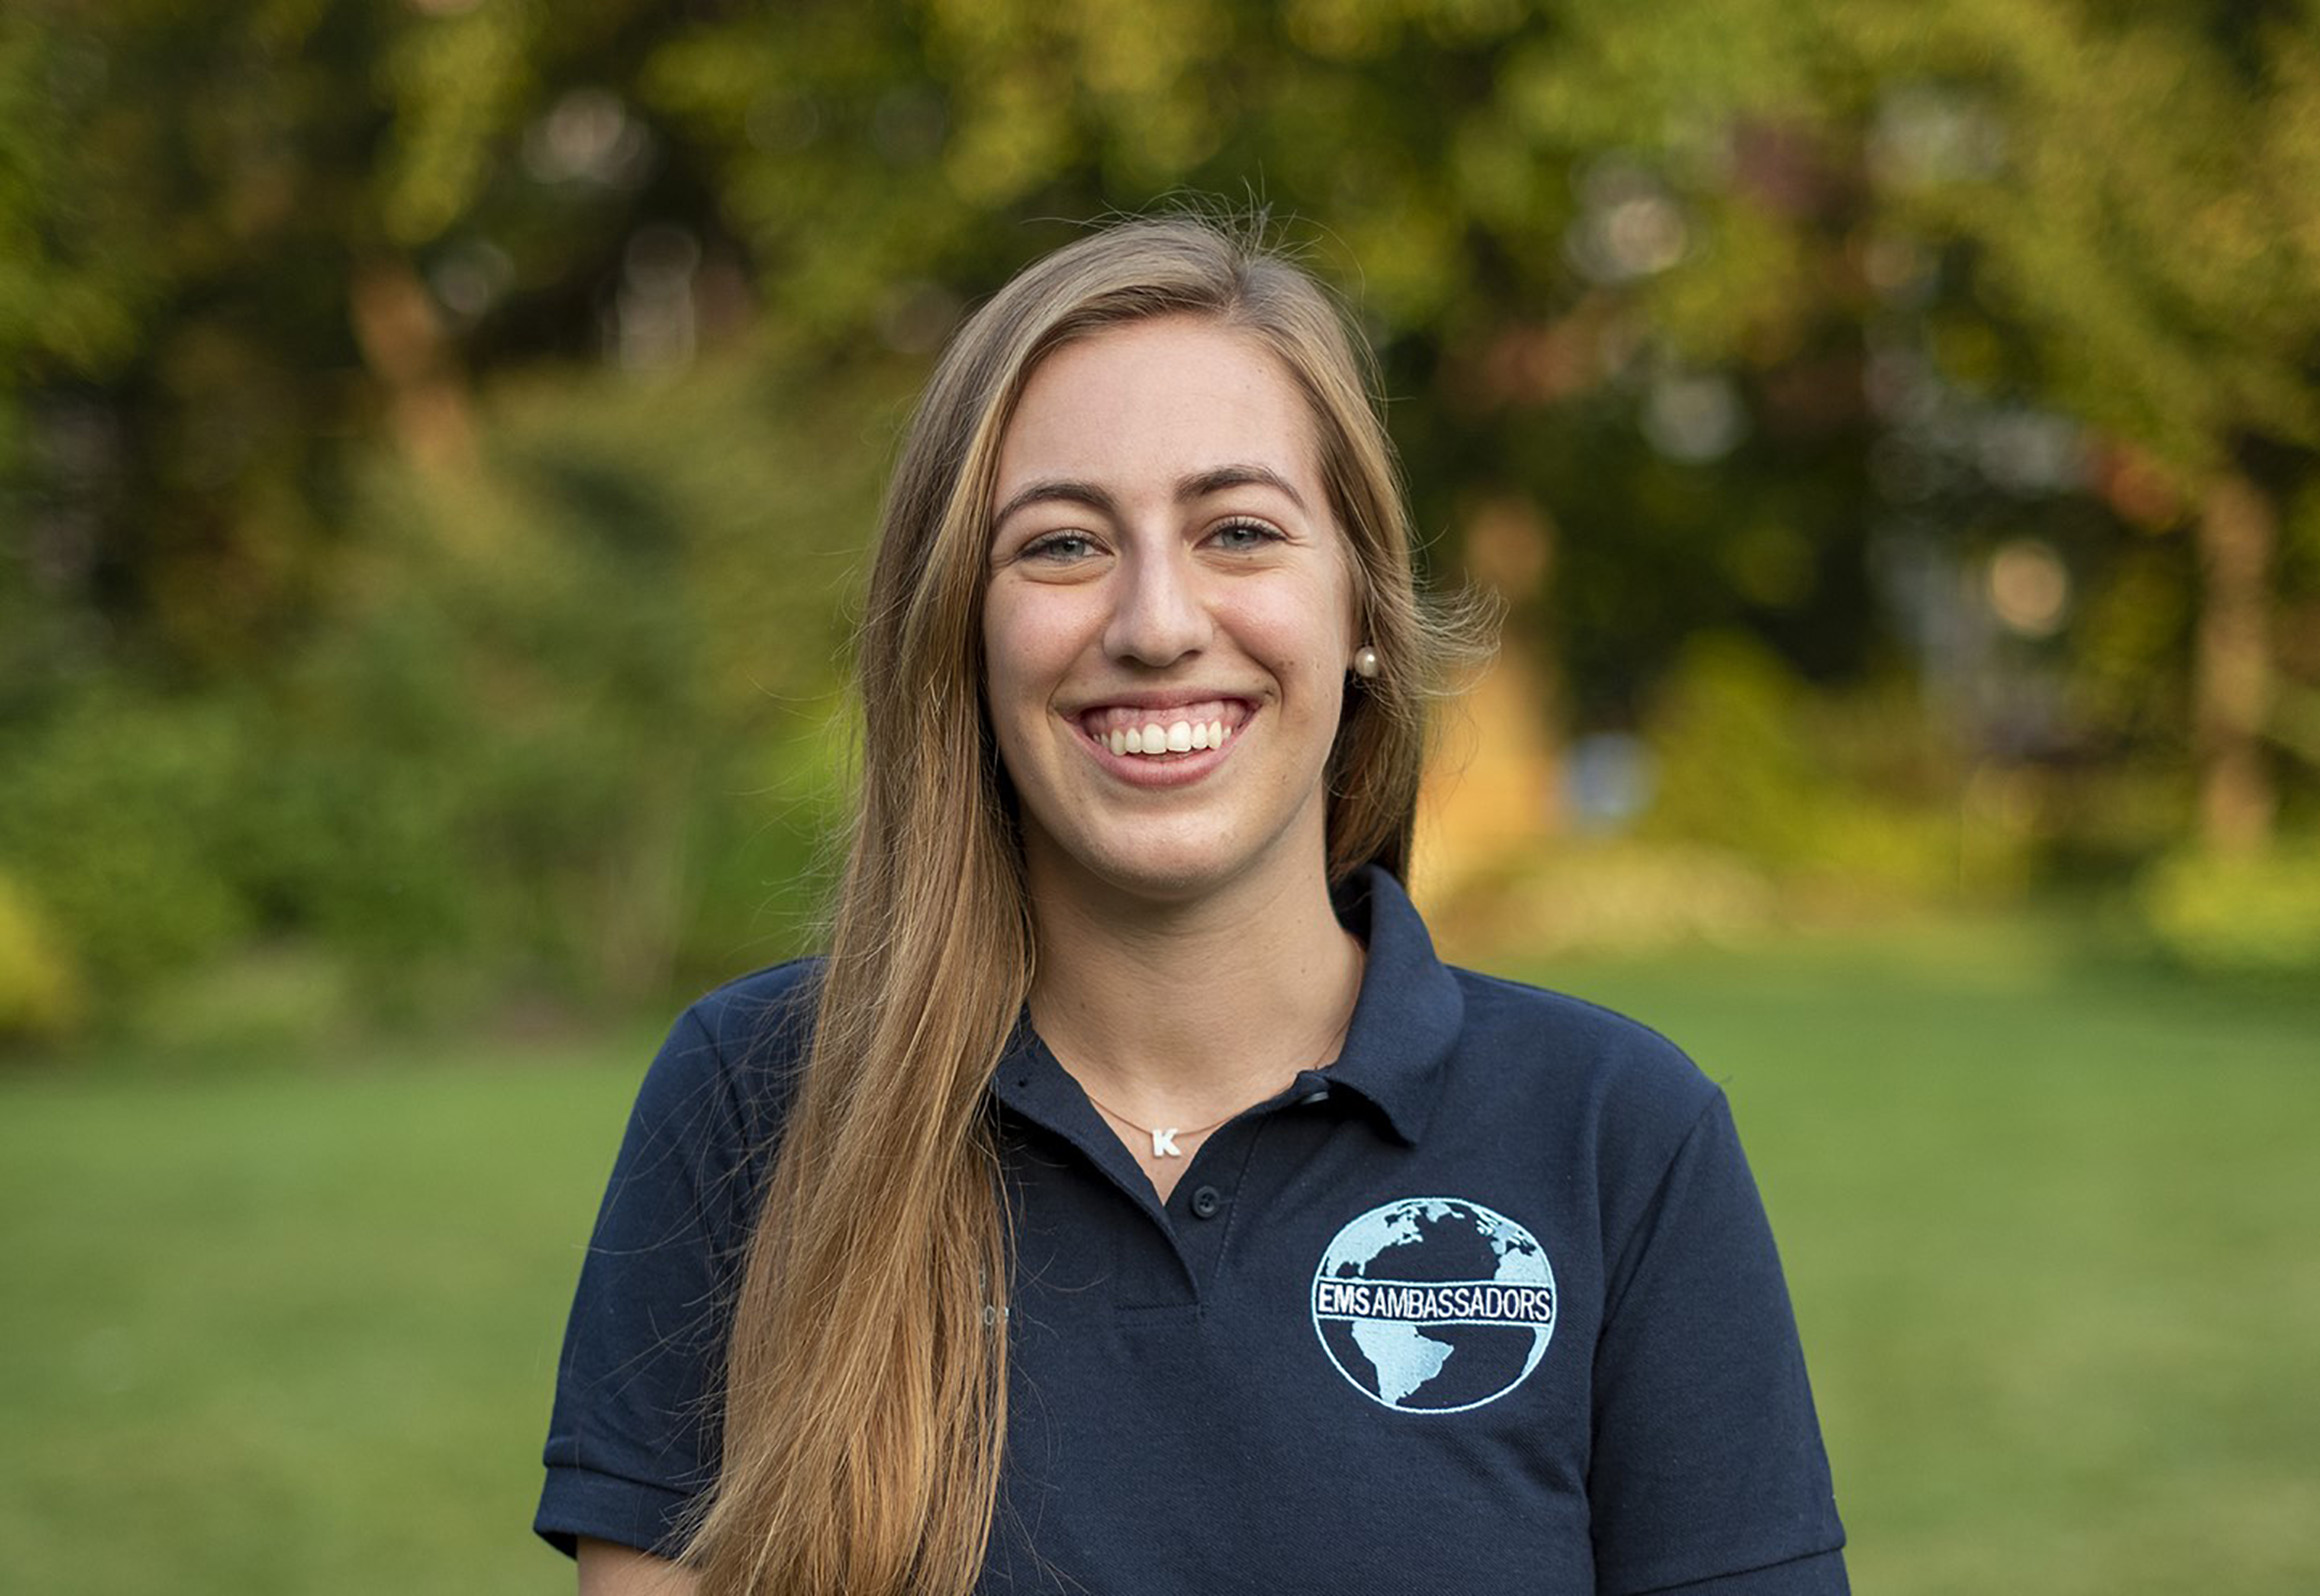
(1199, 485)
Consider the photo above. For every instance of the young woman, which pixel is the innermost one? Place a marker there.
(1130, 1202)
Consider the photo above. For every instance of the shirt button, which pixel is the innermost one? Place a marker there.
(1207, 1203)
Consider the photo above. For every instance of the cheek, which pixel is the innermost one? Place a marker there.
(1004, 693)
(1028, 646)
(1305, 632)
(1297, 645)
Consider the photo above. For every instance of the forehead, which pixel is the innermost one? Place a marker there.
(1137, 409)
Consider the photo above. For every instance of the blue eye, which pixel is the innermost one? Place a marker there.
(1060, 548)
(1243, 537)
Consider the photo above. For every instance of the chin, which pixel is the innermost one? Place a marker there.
(1164, 866)
(1171, 877)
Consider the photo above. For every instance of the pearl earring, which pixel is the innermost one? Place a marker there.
(1365, 663)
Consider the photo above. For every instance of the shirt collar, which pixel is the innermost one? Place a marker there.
(1406, 1022)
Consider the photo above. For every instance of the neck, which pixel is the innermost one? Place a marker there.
(1192, 1011)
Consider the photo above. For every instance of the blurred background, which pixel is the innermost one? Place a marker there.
(438, 440)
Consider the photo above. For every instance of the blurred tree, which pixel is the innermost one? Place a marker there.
(1555, 220)
(178, 220)
(1670, 295)
(233, 242)
(341, 215)
(2131, 195)
(240, 252)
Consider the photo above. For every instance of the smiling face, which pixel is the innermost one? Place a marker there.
(1169, 616)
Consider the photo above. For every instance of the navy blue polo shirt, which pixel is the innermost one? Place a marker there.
(1489, 1304)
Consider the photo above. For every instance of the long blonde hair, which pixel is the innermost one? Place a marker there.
(865, 1395)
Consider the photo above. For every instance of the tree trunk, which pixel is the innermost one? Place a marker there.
(2238, 529)
(1495, 792)
(411, 358)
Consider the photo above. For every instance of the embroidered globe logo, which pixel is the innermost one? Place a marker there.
(1434, 1304)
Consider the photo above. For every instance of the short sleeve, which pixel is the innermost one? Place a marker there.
(1708, 1475)
(632, 1442)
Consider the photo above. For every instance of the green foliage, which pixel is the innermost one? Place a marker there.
(1606, 897)
(458, 89)
(485, 655)
(68, 293)
(2134, 185)
(1845, 797)
(560, 725)
(256, 1008)
(2247, 914)
(116, 816)
(540, 726)
(40, 992)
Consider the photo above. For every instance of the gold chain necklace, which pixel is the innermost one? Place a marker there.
(1163, 1136)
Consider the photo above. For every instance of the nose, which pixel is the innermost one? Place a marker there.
(1159, 616)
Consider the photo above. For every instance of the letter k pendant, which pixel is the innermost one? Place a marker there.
(1163, 1137)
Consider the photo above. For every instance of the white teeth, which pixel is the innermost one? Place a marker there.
(1182, 737)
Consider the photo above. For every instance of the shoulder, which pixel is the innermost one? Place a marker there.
(1531, 1026)
(766, 1010)
(1620, 1118)
(1583, 1063)
(727, 1067)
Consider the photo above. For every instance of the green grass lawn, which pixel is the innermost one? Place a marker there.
(292, 1333)
(2050, 1223)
